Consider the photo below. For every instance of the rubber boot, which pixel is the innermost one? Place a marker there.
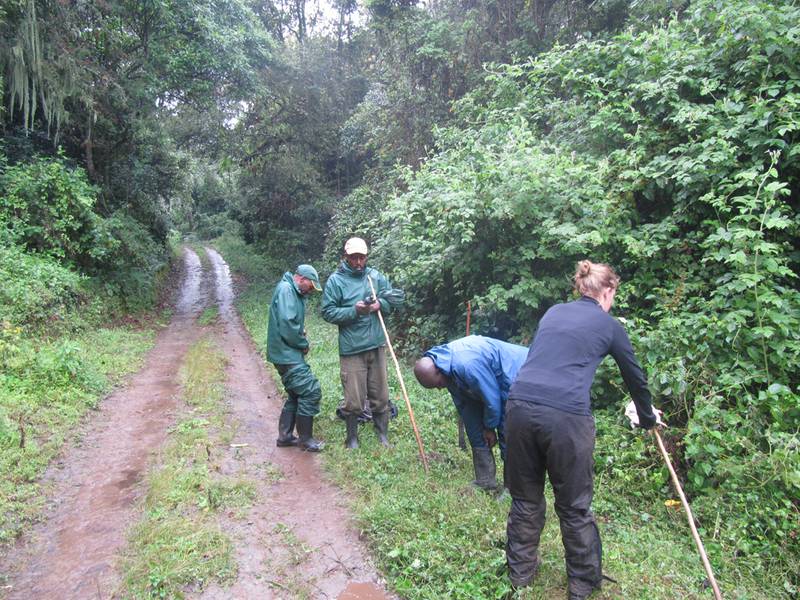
(305, 427)
(485, 470)
(381, 423)
(580, 589)
(352, 432)
(286, 436)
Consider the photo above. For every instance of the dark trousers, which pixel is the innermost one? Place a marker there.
(542, 440)
(302, 389)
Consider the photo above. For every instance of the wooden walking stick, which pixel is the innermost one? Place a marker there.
(689, 516)
(400, 377)
(462, 442)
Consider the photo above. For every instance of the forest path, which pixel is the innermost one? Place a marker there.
(298, 540)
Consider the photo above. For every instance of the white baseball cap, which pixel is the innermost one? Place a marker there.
(355, 245)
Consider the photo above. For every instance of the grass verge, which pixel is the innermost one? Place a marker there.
(46, 387)
(434, 537)
(178, 545)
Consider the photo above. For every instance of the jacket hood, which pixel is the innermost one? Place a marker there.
(442, 357)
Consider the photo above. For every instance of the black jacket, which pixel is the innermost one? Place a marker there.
(571, 341)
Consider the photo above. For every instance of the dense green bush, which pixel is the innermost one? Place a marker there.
(35, 288)
(672, 155)
(48, 208)
(53, 239)
(127, 259)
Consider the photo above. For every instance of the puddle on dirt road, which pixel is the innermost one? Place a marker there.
(224, 284)
(190, 299)
(361, 591)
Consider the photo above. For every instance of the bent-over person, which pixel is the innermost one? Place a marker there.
(478, 372)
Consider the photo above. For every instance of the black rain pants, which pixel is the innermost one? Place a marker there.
(543, 440)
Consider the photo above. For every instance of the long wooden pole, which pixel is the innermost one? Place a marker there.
(689, 516)
(462, 439)
(400, 378)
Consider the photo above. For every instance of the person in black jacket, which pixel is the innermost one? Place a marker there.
(550, 429)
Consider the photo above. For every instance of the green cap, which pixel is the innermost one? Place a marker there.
(309, 272)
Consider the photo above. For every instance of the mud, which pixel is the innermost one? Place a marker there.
(298, 540)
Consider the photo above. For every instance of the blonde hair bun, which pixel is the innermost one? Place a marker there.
(592, 278)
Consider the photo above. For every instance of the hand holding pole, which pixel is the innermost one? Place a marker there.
(400, 377)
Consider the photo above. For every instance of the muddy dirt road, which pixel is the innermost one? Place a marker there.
(297, 542)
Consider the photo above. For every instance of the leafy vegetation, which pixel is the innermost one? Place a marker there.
(669, 154)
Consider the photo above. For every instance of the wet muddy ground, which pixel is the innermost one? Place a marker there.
(298, 541)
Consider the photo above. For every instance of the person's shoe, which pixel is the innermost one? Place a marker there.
(352, 432)
(580, 589)
(286, 436)
(485, 469)
(305, 427)
(381, 423)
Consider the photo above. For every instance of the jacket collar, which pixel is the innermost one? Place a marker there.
(346, 270)
(290, 278)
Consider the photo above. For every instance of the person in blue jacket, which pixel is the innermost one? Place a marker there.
(478, 372)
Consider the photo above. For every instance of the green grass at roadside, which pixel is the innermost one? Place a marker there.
(178, 544)
(434, 537)
(46, 387)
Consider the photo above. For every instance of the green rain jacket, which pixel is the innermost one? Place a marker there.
(357, 333)
(286, 338)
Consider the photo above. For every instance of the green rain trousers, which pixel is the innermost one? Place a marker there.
(302, 388)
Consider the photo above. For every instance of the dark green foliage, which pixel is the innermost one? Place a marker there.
(48, 208)
(670, 154)
(35, 288)
(127, 260)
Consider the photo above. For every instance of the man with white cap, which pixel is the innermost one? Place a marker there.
(349, 303)
(287, 346)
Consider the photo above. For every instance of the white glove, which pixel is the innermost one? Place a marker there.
(630, 412)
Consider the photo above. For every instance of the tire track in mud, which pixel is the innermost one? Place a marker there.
(72, 552)
(299, 540)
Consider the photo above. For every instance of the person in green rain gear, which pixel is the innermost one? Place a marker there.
(349, 303)
(287, 346)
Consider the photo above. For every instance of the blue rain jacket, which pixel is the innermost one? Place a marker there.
(481, 371)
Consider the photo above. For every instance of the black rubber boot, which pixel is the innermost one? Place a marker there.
(580, 589)
(352, 432)
(305, 427)
(381, 423)
(286, 436)
(485, 470)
